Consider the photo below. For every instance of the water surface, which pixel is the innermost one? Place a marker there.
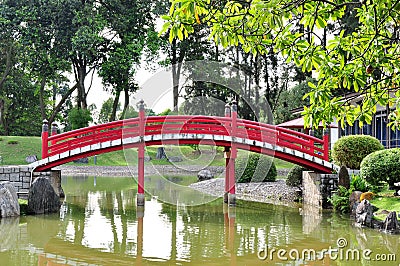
(99, 225)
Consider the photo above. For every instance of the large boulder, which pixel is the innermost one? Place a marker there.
(8, 200)
(161, 153)
(204, 175)
(175, 159)
(82, 160)
(364, 213)
(354, 201)
(31, 159)
(391, 224)
(42, 198)
(344, 178)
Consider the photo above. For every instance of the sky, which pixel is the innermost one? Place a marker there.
(155, 90)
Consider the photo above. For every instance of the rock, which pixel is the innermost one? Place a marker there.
(204, 175)
(147, 158)
(175, 159)
(31, 159)
(42, 198)
(161, 153)
(354, 201)
(344, 178)
(82, 160)
(8, 200)
(364, 213)
(391, 224)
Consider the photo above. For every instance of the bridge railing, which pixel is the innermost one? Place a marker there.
(187, 124)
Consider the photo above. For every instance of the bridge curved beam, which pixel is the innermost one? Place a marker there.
(121, 142)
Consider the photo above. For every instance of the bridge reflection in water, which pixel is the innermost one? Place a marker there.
(101, 225)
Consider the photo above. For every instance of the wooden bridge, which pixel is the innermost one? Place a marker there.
(228, 131)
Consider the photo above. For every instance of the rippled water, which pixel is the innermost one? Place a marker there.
(98, 225)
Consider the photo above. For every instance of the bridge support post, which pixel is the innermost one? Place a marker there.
(45, 136)
(232, 159)
(227, 156)
(140, 194)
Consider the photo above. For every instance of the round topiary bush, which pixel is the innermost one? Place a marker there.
(257, 168)
(381, 166)
(351, 150)
(295, 176)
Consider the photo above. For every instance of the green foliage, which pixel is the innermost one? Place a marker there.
(363, 59)
(358, 183)
(254, 169)
(130, 112)
(351, 150)
(106, 110)
(295, 176)
(12, 142)
(79, 118)
(290, 100)
(341, 200)
(165, 112)
(381, 166)
(23, 206)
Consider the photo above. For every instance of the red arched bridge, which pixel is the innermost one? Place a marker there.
(229, 132)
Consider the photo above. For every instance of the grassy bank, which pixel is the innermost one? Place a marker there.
(14, 150)
(385, 201)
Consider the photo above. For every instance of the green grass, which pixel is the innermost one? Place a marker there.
(14, 154)
(386, 201)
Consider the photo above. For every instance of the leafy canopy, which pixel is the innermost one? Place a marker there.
(364, 61)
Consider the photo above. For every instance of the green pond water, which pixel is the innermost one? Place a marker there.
(99, 224)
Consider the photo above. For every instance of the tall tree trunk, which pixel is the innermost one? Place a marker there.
(126, 103)
(176, 71)
(60, 104)
(8, 67)
(81, 89)
(41, 99)
(175, 76)
(3, 121)
(115, 106)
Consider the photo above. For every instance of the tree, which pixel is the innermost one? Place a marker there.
(365, 61)
(106, 111)
(291, 99)
(133, 27)
(79, 118)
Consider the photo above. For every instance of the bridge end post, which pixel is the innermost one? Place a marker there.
(140, 194)
(45, 136)
(326, 144)
(53, 132)
(233, 155)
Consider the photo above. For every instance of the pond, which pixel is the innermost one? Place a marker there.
(99, 224)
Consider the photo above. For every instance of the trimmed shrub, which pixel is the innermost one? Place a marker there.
(351, 150)
(381, 166)
(12, 142)
(258, 168)
(295, 176)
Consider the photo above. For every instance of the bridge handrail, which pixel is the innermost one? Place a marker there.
(193, 124)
